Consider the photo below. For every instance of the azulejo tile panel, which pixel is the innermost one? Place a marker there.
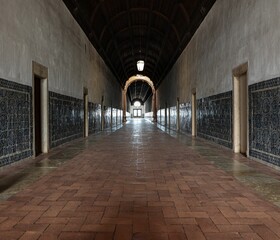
(186, 117)
(120, 116)
(117, 117)
(161, 117)
(94, 117)
(167, 117)
(214, 118)
(15, 122)
(114, 117)
(107, 117)
(173, 118)
(264, 121)
(158, 116)
(66, 118)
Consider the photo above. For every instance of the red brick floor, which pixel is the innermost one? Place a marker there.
(138, 183)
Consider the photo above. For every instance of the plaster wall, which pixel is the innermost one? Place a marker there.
(45, 32)
(234, 32)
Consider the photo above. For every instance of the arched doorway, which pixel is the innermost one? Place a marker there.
(150, 83)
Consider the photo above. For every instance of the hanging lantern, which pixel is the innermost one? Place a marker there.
(140, 65)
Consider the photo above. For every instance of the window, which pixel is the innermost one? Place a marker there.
(137, 113)
(137, 104)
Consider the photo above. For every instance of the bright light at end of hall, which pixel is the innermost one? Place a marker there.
(137, 104)
(140, 65)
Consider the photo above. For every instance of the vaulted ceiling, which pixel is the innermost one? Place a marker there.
(125, 31)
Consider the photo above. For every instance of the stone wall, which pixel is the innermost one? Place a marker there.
(233, 33)
(215, 120)
(46, 33)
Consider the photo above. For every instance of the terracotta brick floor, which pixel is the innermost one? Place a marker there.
(139, 183)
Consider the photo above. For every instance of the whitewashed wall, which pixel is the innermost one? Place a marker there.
(45, 32)
(234, 32)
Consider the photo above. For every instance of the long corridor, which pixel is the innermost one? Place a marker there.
(141, 183)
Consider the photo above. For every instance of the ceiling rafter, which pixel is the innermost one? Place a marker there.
(114, 27)
(92, 36)
(132, 40)
(112, 34)
(187, 35)
(107, 26)
(155, 30)
(166, 35)
(186, 14)
(149, 27)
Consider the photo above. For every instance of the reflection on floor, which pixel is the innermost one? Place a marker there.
(263, 179)
(16, 177)
(139, 183)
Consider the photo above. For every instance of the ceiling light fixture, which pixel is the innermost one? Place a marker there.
(140, 65)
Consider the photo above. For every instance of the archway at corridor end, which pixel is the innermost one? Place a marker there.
(150, 83)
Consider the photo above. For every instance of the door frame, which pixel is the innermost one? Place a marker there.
(86, 113)
(237, 75)
(193, 113)
(41, 72)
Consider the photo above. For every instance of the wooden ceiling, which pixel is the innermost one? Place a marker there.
(125, 31)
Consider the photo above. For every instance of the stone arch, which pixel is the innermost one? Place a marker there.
(137, 78)
(150, 83)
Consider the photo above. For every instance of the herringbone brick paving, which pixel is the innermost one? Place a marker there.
(138, 183)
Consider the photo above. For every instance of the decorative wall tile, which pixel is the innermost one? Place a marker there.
(66, 118)
(214, 118)
(120, 116)
(167, 117)
(173, 118)
(186, 117)
(114, 117)
(107, 117)
(161, 117)
(264, 121)
(94, 117)
(158, 116)
(15, 122)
